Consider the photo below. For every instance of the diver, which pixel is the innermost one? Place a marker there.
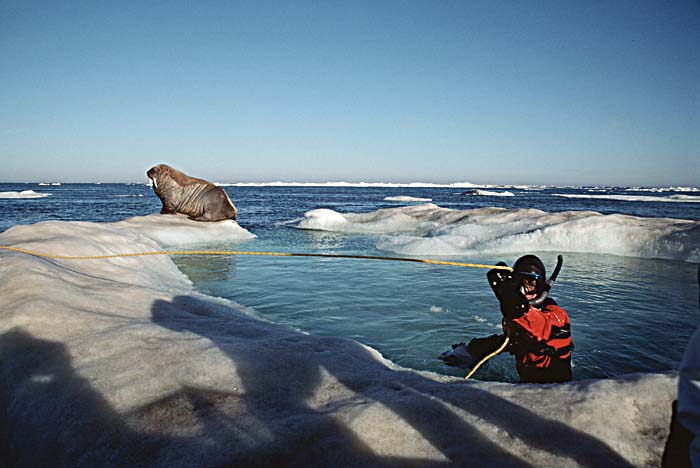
(538, 329)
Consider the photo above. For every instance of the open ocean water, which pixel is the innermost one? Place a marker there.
(629, 313)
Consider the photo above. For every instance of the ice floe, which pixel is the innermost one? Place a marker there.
(663, 189)
(23, 194)
(349, 184)
(121, 362)
(427, 229)
(678, 198)
(407, 199)
(488, 193)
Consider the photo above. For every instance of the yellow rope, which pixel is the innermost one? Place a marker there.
(503, 346)
(230, 252)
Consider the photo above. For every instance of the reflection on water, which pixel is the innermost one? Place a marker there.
(209, 268)
(320, 241)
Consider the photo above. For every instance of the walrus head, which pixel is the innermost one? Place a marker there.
(156, 172)
(162, 175)
(162, 172)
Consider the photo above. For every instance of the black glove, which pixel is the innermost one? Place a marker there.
(458, 356)
(507, 290)
(482, 347)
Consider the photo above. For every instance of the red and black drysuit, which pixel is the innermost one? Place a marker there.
(540, 339)
(540, 336)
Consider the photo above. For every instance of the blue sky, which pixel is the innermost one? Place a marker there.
(538, 92)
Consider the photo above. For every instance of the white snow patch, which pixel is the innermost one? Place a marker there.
(177, 230)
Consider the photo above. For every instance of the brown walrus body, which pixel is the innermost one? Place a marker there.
(198, 199)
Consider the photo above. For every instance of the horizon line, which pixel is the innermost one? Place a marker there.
(362, 184)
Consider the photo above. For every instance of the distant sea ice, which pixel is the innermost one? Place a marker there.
(407, 199)
(23, 194)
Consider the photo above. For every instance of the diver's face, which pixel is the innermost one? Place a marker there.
(530, 287)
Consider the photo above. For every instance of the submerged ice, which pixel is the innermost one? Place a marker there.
(121, 361)
(428, 229)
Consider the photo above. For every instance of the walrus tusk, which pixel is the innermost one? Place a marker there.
(155, 184)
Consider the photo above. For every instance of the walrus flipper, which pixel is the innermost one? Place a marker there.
(168, 208)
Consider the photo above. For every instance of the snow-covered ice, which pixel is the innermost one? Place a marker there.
(428, 229)
(121, 362)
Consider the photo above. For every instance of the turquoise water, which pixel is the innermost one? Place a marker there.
(628, 314)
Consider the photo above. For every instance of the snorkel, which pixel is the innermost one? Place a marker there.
(548, 284)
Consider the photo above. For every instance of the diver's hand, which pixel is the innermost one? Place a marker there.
(507, 290)
(513, 301)
(498, 277)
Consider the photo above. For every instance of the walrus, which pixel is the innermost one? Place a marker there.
(198, 199)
